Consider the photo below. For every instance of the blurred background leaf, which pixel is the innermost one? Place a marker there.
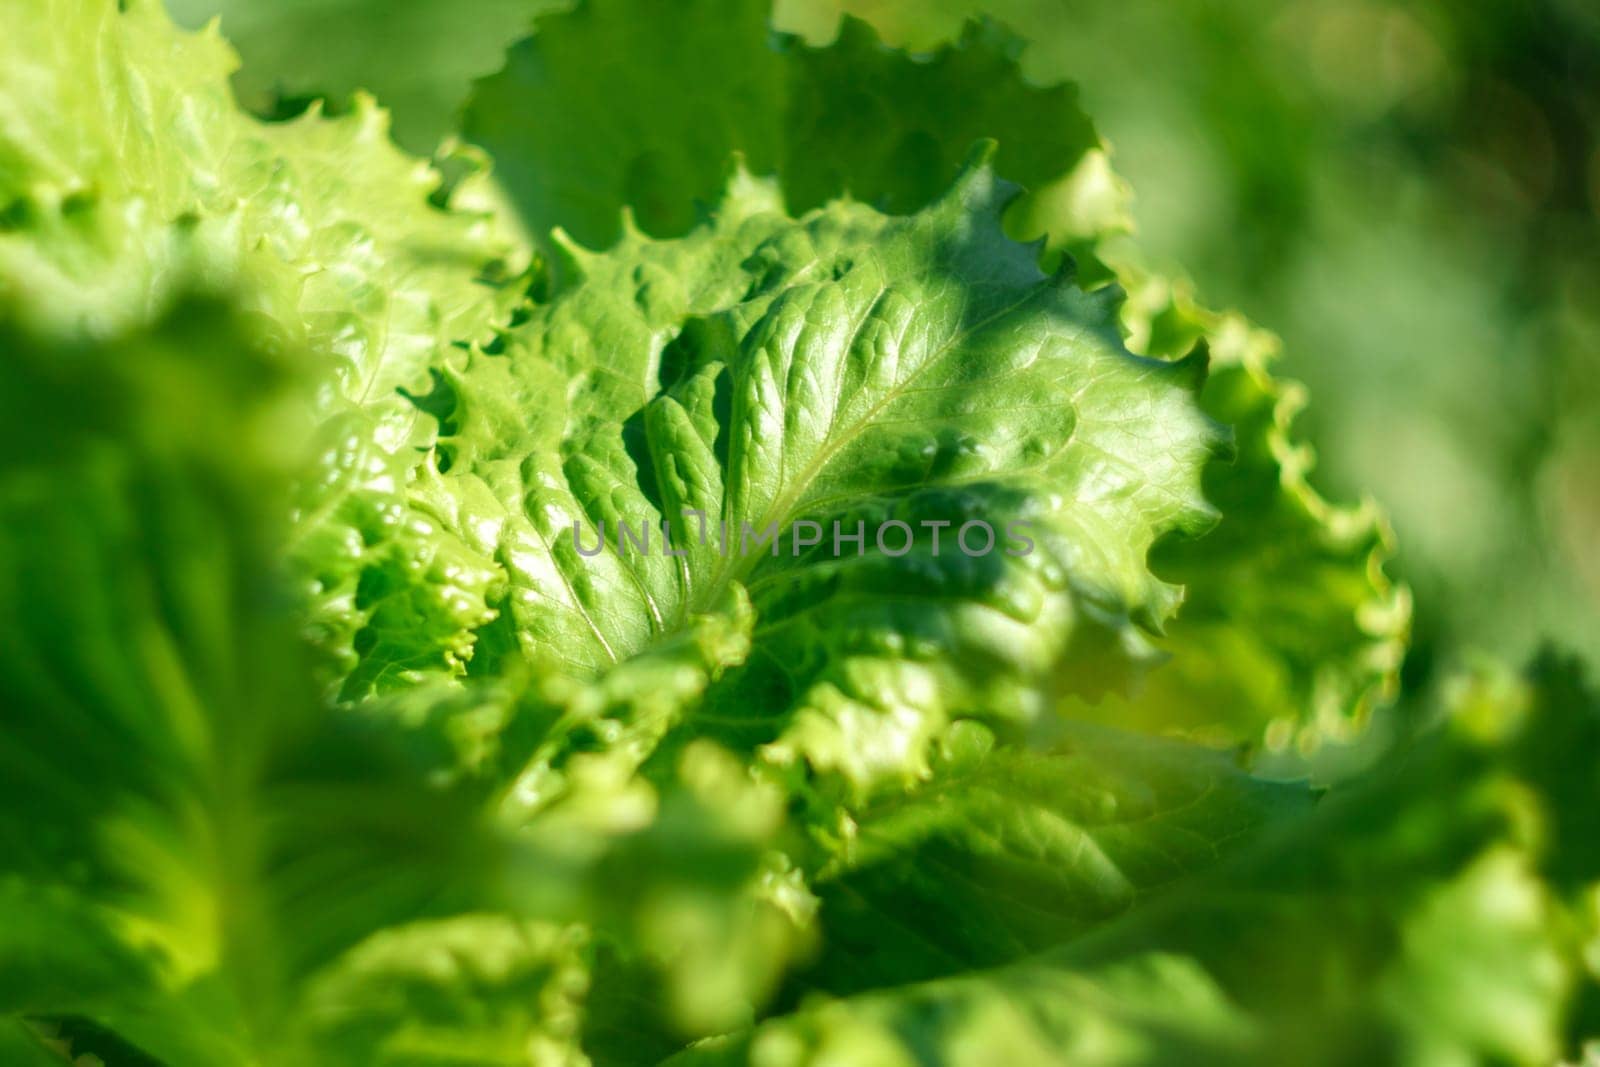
(417, 56)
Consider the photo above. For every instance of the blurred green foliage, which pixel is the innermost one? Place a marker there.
(1410, 194)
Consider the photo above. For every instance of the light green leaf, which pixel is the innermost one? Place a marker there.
(1006, 852)
(845, 367)
(1291, 629)
(394, 597)
(127, 172)
(1409, 919)
(579, 729)
(199, 855)
(696, 913)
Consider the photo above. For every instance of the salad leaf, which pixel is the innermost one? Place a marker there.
(853, 369)
(1255, 654)
(687, 83)
(1161, 1010)
(1007, 852)
(1291, 630)
(480, 989)
(1403, 920)
(127, 172)
(204, 858)
(418, 649)
(130, 173)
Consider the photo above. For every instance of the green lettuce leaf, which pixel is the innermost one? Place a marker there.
(1006, 852)
(203, 858)
(1292, 630)
(671, 865)
(127, 172)
(1154, 1010)
(324, 738)
(395, 598)
(1414, 917)
(684, 84)
(851, 368)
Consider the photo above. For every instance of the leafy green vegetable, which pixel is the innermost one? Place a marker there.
(1290, 591)
(450, 623)
(1253, 654)
(1006, 852)
(847, 368)
(204, 857)
(129, 173)
(156, 181)
(1404, 920)
(856, 118)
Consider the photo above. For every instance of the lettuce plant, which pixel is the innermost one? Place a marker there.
(331, 736)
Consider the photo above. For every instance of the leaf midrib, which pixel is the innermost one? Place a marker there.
(783, 508)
